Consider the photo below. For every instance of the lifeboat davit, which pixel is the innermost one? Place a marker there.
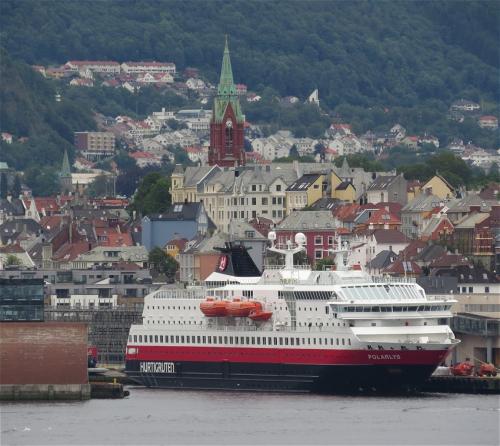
(238, 308)
(214, 308)
(260, 315)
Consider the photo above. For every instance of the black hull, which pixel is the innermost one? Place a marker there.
(285, 377)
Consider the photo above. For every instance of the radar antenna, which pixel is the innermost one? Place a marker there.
(290, 250)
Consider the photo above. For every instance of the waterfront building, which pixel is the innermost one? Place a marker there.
(21, 299)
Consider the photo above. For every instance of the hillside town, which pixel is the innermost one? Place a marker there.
(100, 253)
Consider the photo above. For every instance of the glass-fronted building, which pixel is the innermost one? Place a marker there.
(21, 300)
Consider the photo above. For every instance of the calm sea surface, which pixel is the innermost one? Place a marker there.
(201, 417)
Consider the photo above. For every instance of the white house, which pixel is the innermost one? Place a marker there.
(148, 67)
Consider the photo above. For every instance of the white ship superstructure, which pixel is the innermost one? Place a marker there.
(292, 328)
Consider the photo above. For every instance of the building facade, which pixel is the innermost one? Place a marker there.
(95, 146)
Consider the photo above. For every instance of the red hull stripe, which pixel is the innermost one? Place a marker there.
(288, 356)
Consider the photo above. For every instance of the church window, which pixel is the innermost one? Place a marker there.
(229, 137)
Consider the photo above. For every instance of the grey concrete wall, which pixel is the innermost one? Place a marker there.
(17, 392)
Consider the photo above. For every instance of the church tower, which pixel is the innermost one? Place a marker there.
(65, 181)
(227, 125)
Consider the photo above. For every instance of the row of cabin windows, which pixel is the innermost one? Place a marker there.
(305, 324)
(237, 340)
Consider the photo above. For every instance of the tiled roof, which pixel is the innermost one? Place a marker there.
(304, 182)
(383, 217)
(402, 267)
(414, 248)
(307, 220)
(422, 202)
(382, 182)
(344, 185)
(389, 236)
(382, 259)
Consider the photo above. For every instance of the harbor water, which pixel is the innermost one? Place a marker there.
(150, 417)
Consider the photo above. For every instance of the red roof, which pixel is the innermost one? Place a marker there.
(180, 243)
(142, 155)
(488, 118)
(383, 217)
(149, 64)
(394, 208)
(347, 212)
(341, 126)
(413, 249)
(92, 62)
(50, 222)
(449, 260)
(11, 249)
(192, 149)
(117, 239)
(70, 251)
(402, 267)
(389, 236)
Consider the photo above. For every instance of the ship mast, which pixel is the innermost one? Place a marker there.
(341, 252)
(289, 251)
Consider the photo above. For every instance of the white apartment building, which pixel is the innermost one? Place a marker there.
(148, 67)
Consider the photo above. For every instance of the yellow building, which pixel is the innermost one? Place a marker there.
(304, 192)
(438, 186)
(342, 190)
(345, 191)
(174, 247)
(413, 189)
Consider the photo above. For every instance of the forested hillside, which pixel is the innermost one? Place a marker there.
(29, 109)
(360, 53)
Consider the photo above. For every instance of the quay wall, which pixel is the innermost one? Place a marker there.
(47, 354)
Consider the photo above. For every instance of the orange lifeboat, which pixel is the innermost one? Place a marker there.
(238, 308)
(260, 315)
(214, 308)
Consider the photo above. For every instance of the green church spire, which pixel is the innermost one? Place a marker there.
(226, 82)
(65, 169)
(226, 91)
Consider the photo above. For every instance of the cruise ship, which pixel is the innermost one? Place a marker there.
(291, 329)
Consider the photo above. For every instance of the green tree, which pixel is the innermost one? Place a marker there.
(12, 260)
(3, 185)
(324, 263)
(102, 186)
(152, 195)
(16, 187)
(161, 263)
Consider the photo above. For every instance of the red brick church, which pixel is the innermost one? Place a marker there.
(227, 125)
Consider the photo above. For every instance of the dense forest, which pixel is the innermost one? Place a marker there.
(361, 53)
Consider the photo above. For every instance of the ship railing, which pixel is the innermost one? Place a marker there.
(441, 297)
(282, 266)
(246, 328)
(388, 279)
(178, 293)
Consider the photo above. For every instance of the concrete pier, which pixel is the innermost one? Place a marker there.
(20, 392)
